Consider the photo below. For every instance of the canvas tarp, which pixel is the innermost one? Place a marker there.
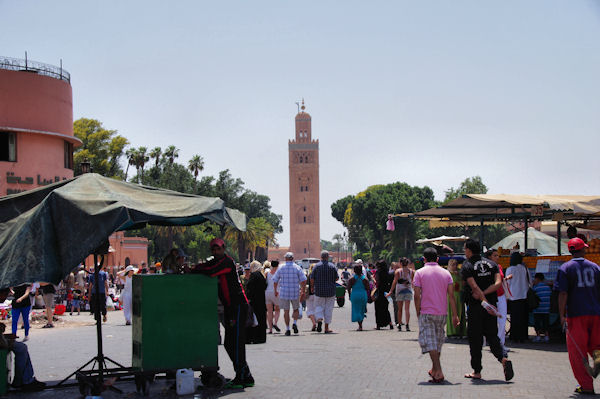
(46, 232)
(545, 244)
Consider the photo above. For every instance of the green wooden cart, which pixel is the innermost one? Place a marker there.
(175, 326)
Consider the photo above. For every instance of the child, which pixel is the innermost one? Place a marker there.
(76, 302)
(541, 314)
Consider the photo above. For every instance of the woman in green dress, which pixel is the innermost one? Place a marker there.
(460, 330)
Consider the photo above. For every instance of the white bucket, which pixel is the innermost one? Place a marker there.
(184, 380)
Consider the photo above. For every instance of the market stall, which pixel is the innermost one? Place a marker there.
(46, 232)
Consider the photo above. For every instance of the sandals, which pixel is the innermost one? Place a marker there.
(472, 376)
(434, 380)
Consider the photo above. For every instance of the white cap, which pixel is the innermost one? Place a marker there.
(131, 268)
(289, 255)
(359, 261)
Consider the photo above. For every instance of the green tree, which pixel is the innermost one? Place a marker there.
(155, 154)
(257, 235)
(365, 215)
(171, 153)
(102, 147)
(196, 165)
(471, 185)
(129, 155)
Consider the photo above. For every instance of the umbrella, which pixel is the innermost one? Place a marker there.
(46, 232)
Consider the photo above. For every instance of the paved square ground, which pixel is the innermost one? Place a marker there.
(344, 365)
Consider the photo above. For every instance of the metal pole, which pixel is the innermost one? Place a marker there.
(481, 236)
(526, 228)
(97, 315)
(558, 251)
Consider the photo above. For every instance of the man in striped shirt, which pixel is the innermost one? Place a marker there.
(541, 314)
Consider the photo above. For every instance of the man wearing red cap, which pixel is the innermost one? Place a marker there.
(235, 307)
(578, 282)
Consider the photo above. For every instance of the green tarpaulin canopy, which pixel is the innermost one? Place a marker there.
(46, 232)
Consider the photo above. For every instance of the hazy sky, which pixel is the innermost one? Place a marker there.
(425, 92)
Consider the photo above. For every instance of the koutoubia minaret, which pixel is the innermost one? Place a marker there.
(305, 238)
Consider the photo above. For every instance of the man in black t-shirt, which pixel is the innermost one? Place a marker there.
(482, 279)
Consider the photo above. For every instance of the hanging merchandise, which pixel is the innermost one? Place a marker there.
(390, 224)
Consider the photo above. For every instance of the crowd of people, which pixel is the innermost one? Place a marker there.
(470, 302)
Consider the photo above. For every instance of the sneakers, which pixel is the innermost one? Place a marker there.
(546, 338)
(26, 338)
(399, 327)
(48, 326)
(287, 333)
(508, 371)
(537, 339)
(295, 327)
(127, 323)
(34, 386)
(579, 389)
(407, 328)
(319, 327)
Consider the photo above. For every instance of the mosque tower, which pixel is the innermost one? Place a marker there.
(305, 238)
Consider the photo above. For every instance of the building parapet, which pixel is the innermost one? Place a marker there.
(304, 146)
(25, 65)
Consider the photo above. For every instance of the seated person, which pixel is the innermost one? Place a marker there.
(24, 378)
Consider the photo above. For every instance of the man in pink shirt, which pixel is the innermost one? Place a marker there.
(433, 286)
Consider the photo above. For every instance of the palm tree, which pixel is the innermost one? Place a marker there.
(142, 159)
(155, 153)
(171, 153)
(258, 234)
(129, 154)
(196, 165)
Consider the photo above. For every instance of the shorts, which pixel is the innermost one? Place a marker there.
(48, 300)
(75, 303)
(404, 295)
(270, 298)
(541, 322)
(284, 304)
(431, 332)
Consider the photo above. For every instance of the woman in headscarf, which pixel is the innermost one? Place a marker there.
(357, 290)
(126, 295)
(255, 292)
(383, 283)
(453, 331)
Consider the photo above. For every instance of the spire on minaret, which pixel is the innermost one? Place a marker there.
(302, 107)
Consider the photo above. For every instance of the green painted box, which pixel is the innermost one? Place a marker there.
(175, 322)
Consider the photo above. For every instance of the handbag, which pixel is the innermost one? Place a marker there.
(374, 294)
(251, 320)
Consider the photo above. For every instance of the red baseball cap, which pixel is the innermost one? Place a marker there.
(217, 242)
(576, 244)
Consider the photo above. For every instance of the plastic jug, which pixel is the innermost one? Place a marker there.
(184, 380)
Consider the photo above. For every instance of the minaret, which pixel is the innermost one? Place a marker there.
(305, 238)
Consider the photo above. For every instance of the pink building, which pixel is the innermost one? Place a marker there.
(36, 125)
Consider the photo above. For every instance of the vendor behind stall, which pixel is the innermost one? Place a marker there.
(235, 306)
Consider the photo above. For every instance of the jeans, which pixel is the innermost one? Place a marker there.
(23, 367)
(15, 318)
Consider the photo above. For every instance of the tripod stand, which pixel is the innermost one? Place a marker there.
(92, 381)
